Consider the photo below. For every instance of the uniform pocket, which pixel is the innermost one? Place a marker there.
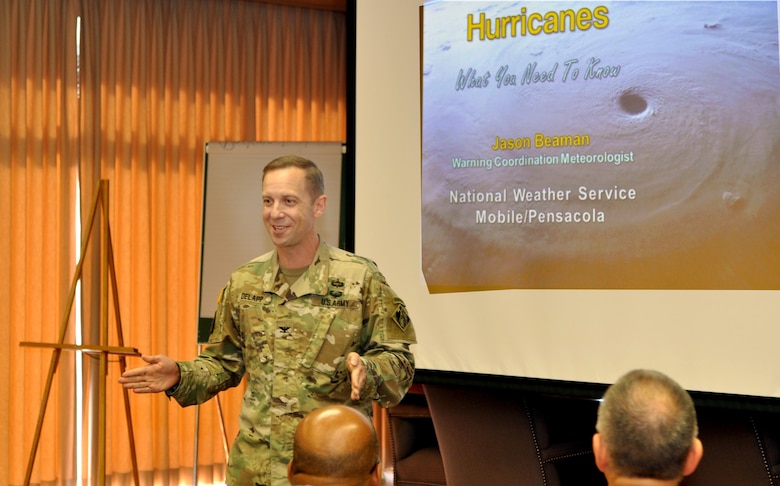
(330, 343)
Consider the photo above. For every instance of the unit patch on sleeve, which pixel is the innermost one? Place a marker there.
(400, 316)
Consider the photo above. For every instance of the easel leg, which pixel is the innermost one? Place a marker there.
(122, 360)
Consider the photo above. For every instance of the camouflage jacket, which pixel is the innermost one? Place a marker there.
(292, 343)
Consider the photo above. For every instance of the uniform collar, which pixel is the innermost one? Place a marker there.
(313, 281)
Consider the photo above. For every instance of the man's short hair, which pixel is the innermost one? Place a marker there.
(313, 174)
(358, 463)
(648, 422)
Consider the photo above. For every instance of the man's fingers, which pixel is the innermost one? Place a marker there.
(356, 386)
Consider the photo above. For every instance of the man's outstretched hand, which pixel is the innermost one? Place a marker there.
(159, 375)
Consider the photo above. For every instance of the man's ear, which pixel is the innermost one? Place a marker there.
(694, 456)
(600, 453)
(378, 475)
(319, 205)
(289, 470)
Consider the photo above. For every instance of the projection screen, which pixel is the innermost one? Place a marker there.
(568, 201)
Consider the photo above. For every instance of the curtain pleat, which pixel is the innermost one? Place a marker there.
(157, 80)
(37, 174)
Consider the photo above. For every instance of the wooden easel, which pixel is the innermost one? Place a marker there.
(102, 350)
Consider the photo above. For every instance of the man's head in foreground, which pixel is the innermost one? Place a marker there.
(335, 445)
(646, 431)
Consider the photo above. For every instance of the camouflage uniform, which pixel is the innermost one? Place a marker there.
(292, 343)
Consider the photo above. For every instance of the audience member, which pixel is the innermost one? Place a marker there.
(647, 432)
(335, 445)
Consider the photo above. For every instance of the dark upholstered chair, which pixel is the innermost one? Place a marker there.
(740, 448)
(416, 457)
(564, 430)
(491, 437)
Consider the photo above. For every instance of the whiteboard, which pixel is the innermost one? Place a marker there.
(232, 231)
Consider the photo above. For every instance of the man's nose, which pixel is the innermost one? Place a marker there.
(276, 210)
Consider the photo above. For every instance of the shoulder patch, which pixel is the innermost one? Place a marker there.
(400, 316)
(398, 326)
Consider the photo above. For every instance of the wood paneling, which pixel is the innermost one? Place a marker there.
(337, 5)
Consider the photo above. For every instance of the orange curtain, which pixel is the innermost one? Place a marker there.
(155, 81)
(38, 148)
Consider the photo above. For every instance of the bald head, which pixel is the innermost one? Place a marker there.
(335, 445)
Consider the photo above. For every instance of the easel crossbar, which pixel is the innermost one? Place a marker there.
(89, 349)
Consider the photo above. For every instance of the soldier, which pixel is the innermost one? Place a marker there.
(307, 323)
